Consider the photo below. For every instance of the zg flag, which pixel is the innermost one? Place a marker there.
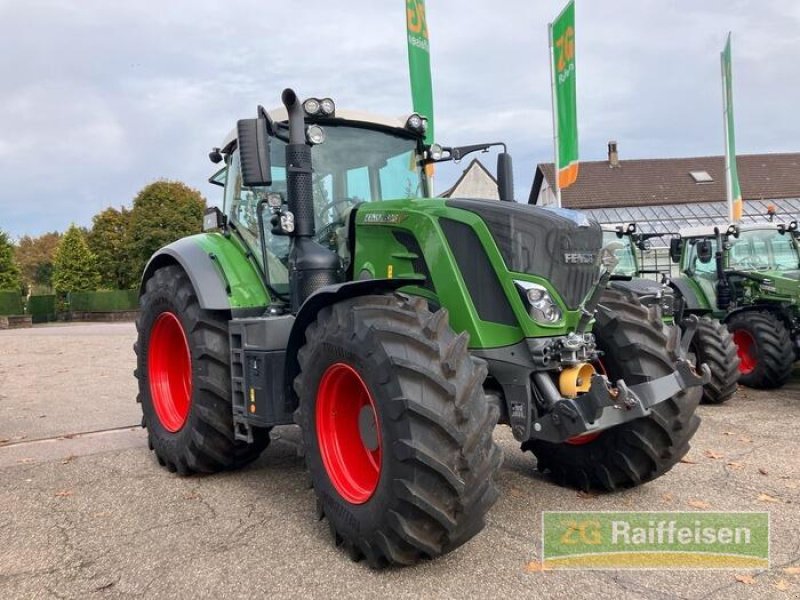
(562, 56)
(419, 62)
(735, 205)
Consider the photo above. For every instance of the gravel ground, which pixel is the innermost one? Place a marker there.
(87, 512)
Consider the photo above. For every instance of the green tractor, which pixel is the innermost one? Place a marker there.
(748, 276)
(711, 342)
(396, 329)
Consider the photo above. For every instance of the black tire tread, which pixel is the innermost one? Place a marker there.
(209, 446)
(773, 344)
(713, 344)
(452, 427)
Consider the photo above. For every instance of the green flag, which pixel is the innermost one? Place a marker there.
(565, 117)
(419, 62)
(735, 205)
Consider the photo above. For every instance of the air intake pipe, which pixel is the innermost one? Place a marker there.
(310, 265)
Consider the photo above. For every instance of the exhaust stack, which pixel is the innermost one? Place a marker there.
(298, 168)
(310, 265)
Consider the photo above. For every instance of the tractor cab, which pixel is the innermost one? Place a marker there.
(746, 261)
(357, 157)
(620, 238)
(633, 273)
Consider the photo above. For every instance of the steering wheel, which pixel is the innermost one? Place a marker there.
(336, 202)
(750, 262)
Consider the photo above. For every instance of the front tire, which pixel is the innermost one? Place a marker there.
(183, 368)
(396, 428)
(634, 341)
(713, 344)
(765, 349)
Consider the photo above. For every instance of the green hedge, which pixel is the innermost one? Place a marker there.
(42, 308)
(10, 303)
(108, 301)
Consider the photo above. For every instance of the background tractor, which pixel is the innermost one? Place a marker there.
(397, 329)
(711, 342)
(747, 276)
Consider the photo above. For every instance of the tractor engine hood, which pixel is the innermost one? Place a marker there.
(559, 245)
(786, 283)
(779, 283)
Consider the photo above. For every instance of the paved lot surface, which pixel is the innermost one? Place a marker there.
(86, 512)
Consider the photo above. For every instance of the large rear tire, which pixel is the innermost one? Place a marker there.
(713, 344)
(634, 341)
(183, 368)
(396, 428)
(765, 349)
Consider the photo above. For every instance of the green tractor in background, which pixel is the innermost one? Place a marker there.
(397, 329)
(748, 276)
(711, 343)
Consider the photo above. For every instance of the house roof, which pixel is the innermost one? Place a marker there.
(475, 182)
(667, 181)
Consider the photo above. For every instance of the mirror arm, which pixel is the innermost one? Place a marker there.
(456, 153)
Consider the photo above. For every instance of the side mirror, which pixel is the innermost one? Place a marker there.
(253, 141)
(675, 249)
(505, 177)
(704, 251)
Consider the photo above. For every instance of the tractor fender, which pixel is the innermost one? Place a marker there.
(209, 285)
(323, 297)
(688, 295)
(776, 310)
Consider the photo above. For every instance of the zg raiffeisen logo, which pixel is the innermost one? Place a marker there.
(655, 540)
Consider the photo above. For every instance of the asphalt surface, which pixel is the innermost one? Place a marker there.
(85, 511)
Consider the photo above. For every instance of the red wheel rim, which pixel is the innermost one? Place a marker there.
(580, 440)
(169, 370)
(746, 349)
(348, 433)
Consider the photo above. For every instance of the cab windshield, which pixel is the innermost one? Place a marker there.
(763, 250)
(626, 266)
(353, 165)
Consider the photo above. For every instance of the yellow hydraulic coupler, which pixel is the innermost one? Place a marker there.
(575, 380)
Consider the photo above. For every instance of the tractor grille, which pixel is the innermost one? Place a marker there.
(559, 245)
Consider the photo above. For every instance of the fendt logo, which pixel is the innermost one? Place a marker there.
(579, 258)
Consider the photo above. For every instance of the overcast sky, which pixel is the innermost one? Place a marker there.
(99, 97)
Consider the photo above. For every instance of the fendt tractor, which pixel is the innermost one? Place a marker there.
(396, 329)
(748, 276)
(711, 343)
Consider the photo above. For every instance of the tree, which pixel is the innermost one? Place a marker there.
(107, 241)
(10, 278)
(162, 212)
(74, 266)
(35, 257)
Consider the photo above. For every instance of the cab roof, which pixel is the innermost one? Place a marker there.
(280, 115)
(708, 230)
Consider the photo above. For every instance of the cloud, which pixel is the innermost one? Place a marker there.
(99, 98)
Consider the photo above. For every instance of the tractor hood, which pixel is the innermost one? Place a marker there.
(787, 283)
(560, 245)
(779, 283)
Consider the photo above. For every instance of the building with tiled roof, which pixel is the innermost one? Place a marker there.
(667, 194)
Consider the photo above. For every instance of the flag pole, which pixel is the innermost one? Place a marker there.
(555, 113)
(728, 186)
(728, 182)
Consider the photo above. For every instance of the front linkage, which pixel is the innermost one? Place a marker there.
(605, 405)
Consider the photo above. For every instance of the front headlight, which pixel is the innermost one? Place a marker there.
(541, 306)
